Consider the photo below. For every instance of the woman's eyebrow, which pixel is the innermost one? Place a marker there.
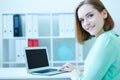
(86, 14)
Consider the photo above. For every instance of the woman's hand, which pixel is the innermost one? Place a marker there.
(75, 74)
(76, 71)
(67, 67)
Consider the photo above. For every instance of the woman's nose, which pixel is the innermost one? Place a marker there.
(86, 22)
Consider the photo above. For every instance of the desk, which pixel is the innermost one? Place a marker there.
(21, 74)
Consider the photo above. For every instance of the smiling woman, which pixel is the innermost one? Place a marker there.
(102, 62)
(91, 20)
(97, 7)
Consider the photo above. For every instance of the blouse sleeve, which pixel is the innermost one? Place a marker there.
(103, 55)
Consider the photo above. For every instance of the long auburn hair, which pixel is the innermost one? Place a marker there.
(83, 35)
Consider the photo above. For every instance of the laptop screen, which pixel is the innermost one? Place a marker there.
(36, 58)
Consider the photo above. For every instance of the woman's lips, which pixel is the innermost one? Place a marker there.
(90, 28)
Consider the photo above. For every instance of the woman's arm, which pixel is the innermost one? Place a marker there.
(103, 56)
(71, 67)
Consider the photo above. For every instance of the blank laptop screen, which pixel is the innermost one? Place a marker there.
(37, 58)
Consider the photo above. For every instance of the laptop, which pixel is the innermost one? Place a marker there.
(37, 61)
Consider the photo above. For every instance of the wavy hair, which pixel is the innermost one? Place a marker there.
(83, 35)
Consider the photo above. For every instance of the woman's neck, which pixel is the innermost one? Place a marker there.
(99, 33)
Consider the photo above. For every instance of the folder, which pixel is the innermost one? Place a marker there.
(29, 42)
(20, 45)
(29, 28)
(18, 51)
(7, 26)
(17, 23)
(33, 42)
(35, 25)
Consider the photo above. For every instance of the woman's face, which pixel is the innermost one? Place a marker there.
(91, 19)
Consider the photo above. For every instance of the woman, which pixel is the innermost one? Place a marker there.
(103, 60)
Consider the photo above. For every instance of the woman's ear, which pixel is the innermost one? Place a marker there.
(104, 13)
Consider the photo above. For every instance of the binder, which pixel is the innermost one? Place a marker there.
(23, 45)
(7, 26)
(33, 42)
(10, 26)
(17, 23)
(20, 45)
(29, 43)
(29, 28)
(71, 25)
(18, 51)
(66, 25)
(35, 25)
(62, 26)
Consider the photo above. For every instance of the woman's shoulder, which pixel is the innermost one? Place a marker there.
(107, 42)
(108, 35)
(108, 38)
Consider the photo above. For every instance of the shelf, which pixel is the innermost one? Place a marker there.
(13, 62)
(56, 31)
(15, 38)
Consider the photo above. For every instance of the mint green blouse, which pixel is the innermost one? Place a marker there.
(103, 60)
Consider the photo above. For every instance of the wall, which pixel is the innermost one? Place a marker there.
(38, 5)
(20, 6)
(112, 7)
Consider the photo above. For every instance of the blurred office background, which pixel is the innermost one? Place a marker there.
(52, 16)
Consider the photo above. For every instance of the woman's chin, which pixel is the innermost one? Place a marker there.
(92, 33)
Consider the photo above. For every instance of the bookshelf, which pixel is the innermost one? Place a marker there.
(56, 31)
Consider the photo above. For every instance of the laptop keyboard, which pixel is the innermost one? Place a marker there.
(46, 71)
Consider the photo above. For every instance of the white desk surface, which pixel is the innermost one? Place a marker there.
(21, 73)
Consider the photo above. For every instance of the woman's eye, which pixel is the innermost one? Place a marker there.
(81, 20)
(90, 15)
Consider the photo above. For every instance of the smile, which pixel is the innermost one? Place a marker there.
(90, 28)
